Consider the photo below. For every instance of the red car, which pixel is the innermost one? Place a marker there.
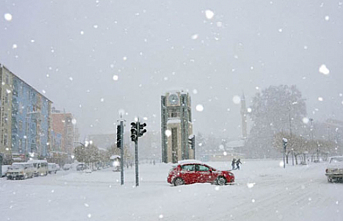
(197, 172)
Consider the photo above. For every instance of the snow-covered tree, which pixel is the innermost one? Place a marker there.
(275, 109)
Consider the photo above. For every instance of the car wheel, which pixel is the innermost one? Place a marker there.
(221, 181)
(329, 180)
(178, 181)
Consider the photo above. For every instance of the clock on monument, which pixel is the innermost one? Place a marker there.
(173, 99)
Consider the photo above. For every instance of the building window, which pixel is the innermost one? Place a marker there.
(20, 125)
(5, 139)
(173, 114)
(6, 118)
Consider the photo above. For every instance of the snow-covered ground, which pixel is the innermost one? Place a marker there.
(263, 191)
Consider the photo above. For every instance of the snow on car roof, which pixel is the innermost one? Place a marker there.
(336, 157)
(182, 162)
(37, 161)
(113, 157)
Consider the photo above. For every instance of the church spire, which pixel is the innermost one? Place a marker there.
(244, 116)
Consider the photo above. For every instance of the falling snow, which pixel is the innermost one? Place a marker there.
(209, 14)
(8, 17)
(195, 36)
(324, 70)
(236, 99)
(199, 108)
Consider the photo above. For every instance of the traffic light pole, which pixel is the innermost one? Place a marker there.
(136, 155)
(137, 130)
(122, 153)
(284, 141)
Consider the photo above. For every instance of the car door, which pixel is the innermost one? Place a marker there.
(188, 173)
(204, 173)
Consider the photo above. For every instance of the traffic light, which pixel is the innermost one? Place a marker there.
(284, 141)
(134, 132)
(191, 141)
(119, 132)
(142, 130)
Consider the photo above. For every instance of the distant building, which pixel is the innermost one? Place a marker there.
(24, 119)
(331, 130)
(176, 126)
(64, 131)
(226, 151)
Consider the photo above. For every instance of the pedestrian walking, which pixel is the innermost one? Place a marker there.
(233, 163)
(237, 163)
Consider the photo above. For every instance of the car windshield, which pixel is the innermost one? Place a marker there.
(18, 166)
(336, 160)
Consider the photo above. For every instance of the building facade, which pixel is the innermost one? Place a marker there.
(65, 134)
(25, 119)
(176, 126)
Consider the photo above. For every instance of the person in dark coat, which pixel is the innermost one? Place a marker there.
(233, 163)
(237, 163)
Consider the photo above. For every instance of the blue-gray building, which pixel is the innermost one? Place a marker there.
(30, 119)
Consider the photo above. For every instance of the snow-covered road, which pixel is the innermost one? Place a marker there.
(263, 191)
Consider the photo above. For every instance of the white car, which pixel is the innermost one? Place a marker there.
(52, 168)
(334, 170)
(20, 171)
(67, 167)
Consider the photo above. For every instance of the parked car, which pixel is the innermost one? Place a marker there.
(4, 170)
(66, 167)
(189, 172)
(52, 168)
(81, 167)
(334, 170)
(20, 171)
(40, 166)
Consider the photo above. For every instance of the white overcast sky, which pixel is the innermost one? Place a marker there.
(71, 50)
